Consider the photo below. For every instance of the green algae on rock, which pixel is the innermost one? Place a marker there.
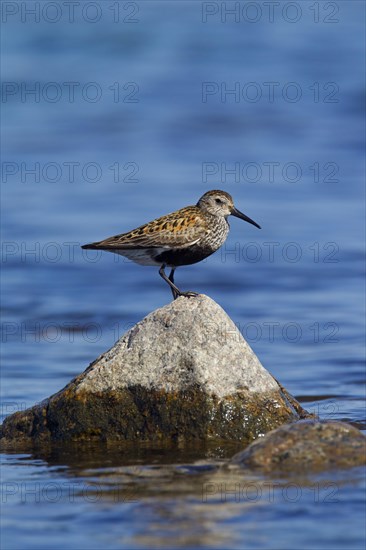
(184, 372)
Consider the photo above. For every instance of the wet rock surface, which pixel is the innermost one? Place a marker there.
(305, 446)
(184, 372)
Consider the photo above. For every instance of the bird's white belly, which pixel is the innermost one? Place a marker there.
(142, 256)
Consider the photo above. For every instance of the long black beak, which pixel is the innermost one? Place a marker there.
(242, 216)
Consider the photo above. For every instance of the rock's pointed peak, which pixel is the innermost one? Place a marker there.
(183, 372)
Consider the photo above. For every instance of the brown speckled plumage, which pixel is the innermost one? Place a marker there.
(183, 237)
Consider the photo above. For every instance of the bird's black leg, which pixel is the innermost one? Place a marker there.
(171, 276)
(175, 290)
(171, 279)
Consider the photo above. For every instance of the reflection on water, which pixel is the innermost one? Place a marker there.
(168, 498)
(176, 117)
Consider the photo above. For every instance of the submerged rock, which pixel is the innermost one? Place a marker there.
(306, 446)
(183, 372)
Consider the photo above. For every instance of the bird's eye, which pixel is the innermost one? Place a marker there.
(218, 201)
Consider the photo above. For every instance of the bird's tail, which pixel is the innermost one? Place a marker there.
(91, 246)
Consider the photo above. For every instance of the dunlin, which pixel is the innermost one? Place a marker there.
(183, 237)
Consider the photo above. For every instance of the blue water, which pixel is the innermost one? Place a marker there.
(132, 119)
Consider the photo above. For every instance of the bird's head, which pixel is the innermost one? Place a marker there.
(220, 204)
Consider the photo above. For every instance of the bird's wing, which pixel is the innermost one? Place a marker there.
(180, 229)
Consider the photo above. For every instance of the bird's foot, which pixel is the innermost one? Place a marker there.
(188, 294)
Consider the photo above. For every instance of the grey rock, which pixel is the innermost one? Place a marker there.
(183, 372)
(305, 447)
(186, 342)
